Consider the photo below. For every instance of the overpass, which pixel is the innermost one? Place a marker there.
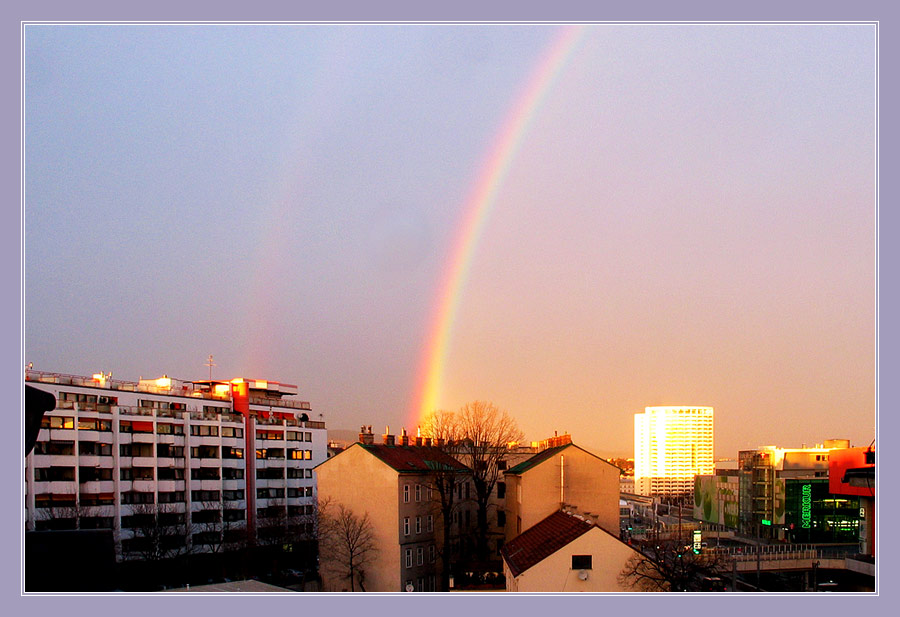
(791, 557)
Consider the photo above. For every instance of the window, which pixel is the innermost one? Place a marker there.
(501, 465)
(50, 474)
(92, 474)
(420, 556)
(205, 473)
(307, 436)
(171, 497)
(58, 422)
(231, 473)
(204, 451)
(135, 497)
(501, 518)
(418, 524)
(429, 523)
(307, 454)
(581, 562)
(229, 452)
(501, 490)
(204, 430)
(418, 492)
(409, 558)
(406, 526)
(431, 554)
(169, 429)
(309, 473)
(205, 496)
(232, 431)
(165, 450)
(170, 473)
(406, 493)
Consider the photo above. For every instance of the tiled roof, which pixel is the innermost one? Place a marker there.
(542, 540)
(540, 457)
(414, 459)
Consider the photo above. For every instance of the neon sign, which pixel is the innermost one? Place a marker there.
(805, 505)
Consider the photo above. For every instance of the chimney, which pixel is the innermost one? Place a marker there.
(366, 436)
(387, 438)
(404, 438)
(439, 442)
(428, 442)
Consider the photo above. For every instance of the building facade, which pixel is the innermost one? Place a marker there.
(767, 474)
(564, 476)
(566, 552)
(393, 484)
(205, 463)
(671, 446)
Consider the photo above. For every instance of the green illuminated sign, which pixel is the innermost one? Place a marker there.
(766, 521)
(805, 505)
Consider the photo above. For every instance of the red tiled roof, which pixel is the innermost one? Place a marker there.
(414, 459)
(542, 540)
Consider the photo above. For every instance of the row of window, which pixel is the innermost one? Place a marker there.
(420, 555)
(422, 584)
(429, 524)
(420, 492)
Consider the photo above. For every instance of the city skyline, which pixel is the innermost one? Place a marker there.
(678, 215)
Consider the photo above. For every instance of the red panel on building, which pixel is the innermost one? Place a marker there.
(240, 397)
(852, 459)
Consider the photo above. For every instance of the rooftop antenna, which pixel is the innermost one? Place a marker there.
(210, 364)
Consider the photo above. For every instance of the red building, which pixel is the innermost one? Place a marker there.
(851, 471)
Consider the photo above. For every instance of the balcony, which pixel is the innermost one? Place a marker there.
(143, 486)
(62, 434)
(94, 487)
(143, 438)
(143, 461)
(170, 486)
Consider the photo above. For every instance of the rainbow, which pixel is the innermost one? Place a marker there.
(477, 210)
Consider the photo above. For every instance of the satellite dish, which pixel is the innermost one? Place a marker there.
(410, 588)
(583, 575)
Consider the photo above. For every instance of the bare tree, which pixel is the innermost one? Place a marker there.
(160, 531)
(443, 429)
(485, 432)
(65, 517)
(346, 543)
(670, 565)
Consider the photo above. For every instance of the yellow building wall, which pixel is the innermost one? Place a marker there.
(591, 485)
(364, 484)
(555, 573)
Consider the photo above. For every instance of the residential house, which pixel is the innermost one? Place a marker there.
(393, 484)
(565, 552)
(561, 476)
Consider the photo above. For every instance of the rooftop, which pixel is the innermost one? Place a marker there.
(262, 392)
(414, 459)
(542, 540)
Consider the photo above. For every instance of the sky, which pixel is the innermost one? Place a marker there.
(679, 215)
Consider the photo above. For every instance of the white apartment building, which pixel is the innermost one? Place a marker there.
(209, 457)
(671, 446)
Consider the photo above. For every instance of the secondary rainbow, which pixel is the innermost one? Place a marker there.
(476, 211)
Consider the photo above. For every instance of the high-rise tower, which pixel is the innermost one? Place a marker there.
(671, 446)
